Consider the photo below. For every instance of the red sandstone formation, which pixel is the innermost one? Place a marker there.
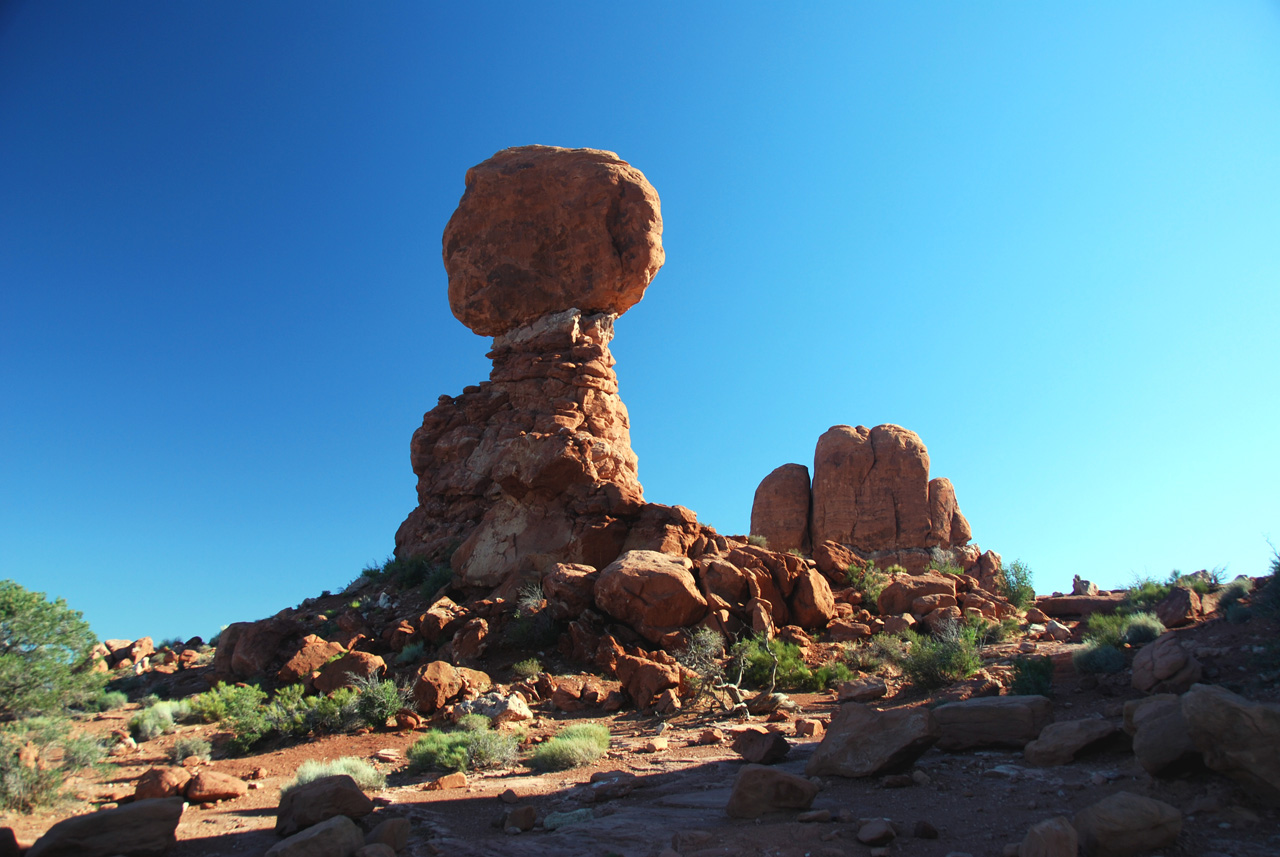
(781, 508)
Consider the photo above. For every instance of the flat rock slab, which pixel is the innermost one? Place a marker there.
(995, 721)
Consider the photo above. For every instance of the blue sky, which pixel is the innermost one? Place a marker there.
(1043, 236)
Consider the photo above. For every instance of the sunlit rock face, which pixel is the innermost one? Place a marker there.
(534, 466)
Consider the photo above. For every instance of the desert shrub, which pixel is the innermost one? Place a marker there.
(868, 580)
(409, 572)
(949, 568)
(411, 653)
(758, 540)
(1098, 657)
(529, 599)
(105, 700)
(702, 652)
(52, 753)
(1234, 591)
(158, 719)
(490, 749)
(1142, 628)
(473, 723)
(366, 775)
(226, 700)
(863, 657)
(190, 746)
(1238, 614)
(528, 668)
(1032, 675)
(379, 700)
(334, 713)
(576, 745)
(1144, 594)
(933, 662)
(1015, 584)
(757, 665)
(985, 633)
(439, 750)
(45, 654)
(796, 552)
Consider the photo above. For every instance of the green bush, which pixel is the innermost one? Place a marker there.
(758, 541)
(1032, 676)
(933, 662)
(1015, 584)
(1238, 614)
(158, 719)
(378, 701)
(863, 657)
(528, 668)
(488, 749)
(56, 753)
(868, 580)
(226, 701)
(411, 653)
(189, 746)
(334, 713)
(410, 572)
(576, 745)
(1143, 628)
(45, 654)
(1234, 591)
(366, 776)
(792, 672)
(703, 651)
(1097, 657)
(105, 700)
(949, 567)
(473, 723)
(439, 750)
(1117, 629)
(1144, 594)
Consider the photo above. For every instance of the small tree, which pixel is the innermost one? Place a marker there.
(46, 653)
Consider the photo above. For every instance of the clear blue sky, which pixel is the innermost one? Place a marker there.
(1045, 236)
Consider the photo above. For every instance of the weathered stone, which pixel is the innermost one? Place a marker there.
(780, 511)
(654, 593)
(542, 229)
(161, 783)
(997, 721)
(394, 833)
(337, 836)
(902, 591)
(209, 786)
(759, 790)
(1058, 743)
(1165, 666)
(436, 684)
(569, 590)
(1054, 837)
(1078, 606)
(1161, 738)
(812, 605)
(760, 746)
(1126, 824)
(834, 559)
(311, 803)
(877, 831)
(863, 689)
(313, 653)
(442, 619)
(863, 742)
(1238, 737)
(145, 828)
(348, 669)
(644, 680)
(1180, 607)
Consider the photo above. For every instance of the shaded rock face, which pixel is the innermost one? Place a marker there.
(780, 511)
(146, 828)
(534, 466)
(541, 229)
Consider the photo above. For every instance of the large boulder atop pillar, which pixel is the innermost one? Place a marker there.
(780, 511)
(542, 229)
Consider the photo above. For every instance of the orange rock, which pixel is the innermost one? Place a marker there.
(780, 511)
(652, 592)
(313, 653)
(456, 780)
(161, 782)
(812, 605)
(436, 684)
(345, 670)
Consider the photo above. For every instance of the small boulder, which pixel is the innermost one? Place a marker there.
(644, 680)
(898, 596)
(652, 592)
(210, 786)
(1058, 743)
(1180, 607)
(863, 689)
(1165, 666)
(145, 828)
(569, 590)
(1126, 824)
(994, 721)
(1238, 737)
(313, 653)
(863, 742)
(334, 837)
(436, 684)
(1054, 837)
(320, 800)
(877, 831)
(1161, 738)
(394, 833)
(347, 669)
(760, 789)
(160, 783)
(760, 746)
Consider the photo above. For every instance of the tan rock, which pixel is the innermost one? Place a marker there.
(442, 619)
(834, 559)
(1078, 606)
(210, 786)
(145, 828)
(394, 833)
(436, 684)
(161, 783)
(780, 511)
(337, 836)
(652, 592)
(1054, 837)
(863, 742)
(1126, 824)
(1165, 666)
(997, 721)
(759, 790)
(448, 782)
(319, 800)
(865, 689)
(1180, 607)
(1058, 743)
(848, 631)
(902, 591)
(1238, 737)
(542, 229)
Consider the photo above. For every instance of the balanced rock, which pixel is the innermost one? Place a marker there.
(996, 721)
(145, 828)
(759, 790)
(863, 742)
(542, 229)
(780, 511)
(1238, 737)
(1126, 824)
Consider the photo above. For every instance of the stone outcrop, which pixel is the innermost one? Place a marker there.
(320, 800)
(999, 721)
(1165, 666)
(146, 828)
(863, 742)
(1238, 737)
(1126, 824)
(780, 511)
